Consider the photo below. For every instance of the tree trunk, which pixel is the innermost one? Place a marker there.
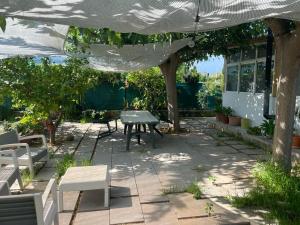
(289, 45)
(51, 131)
(169, 69)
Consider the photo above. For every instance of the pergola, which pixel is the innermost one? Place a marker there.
(148, 17)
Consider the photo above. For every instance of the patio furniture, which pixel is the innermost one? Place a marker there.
(84, 179)
(26, 155)
(30, 209)
(106, 119)
(8, 175)
(4, 188)
(138, 118)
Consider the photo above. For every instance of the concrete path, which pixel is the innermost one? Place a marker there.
(218, 163)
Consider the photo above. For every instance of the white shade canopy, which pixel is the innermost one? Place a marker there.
(29, 38)
(132, 57)
(150, 16)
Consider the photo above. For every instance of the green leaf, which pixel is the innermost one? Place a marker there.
(2, 23)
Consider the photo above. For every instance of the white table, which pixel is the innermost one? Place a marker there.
(138, 118)
(83, 179)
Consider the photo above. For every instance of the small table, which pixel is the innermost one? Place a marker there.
(131, 118)
(83, 179)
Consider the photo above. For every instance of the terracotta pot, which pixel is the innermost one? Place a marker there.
(222, 118)
(296, 141)
(245, 123)
(234, 120)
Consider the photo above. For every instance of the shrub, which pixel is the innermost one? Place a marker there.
(268, 127)
(254, 131)
(275, 191)
(195, 190)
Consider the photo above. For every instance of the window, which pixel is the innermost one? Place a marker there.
(261, 51)
(232, 78)
(260, 77)
(249, 53)
(235, 57)
(247, 77)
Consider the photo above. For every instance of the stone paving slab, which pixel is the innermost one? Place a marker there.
(213, 220)
(147, 199)
(64, 218)
(69, 200)
(92, 218)
(125, 210)
(45, 174)
(243, 146)
(159, 214)
(91, 201)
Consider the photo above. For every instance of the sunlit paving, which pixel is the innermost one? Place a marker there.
(149, 112)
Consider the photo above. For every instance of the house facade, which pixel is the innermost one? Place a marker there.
(244, 72)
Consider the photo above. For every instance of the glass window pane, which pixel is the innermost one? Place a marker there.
(235, 56)
(260, 76)
(247, 78)
(261, 51)
(249, 53)
(232, 78)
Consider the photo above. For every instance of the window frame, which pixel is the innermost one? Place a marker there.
(250, 61)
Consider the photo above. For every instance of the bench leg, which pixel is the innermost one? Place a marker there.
(106, 197)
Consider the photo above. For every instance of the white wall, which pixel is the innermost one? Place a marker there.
(250, 105)
(245, 104)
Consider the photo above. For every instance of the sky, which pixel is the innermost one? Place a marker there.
(212, 66)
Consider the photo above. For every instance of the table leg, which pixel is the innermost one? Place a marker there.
(139, 133)
(60, 201)
(106, 197)
(128, 136)
(116, 121)
(144, 127)
(152, 134)
(125, 129)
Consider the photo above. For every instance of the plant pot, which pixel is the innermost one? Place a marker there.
(245, 123)
(222, 118)
(296, 141)
(234, 120)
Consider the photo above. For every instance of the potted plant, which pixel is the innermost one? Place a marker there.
(227, 111)
(296, 134)
(245, 123)
(233, 120)
(296, 139)
(268, 127)
(219, 113)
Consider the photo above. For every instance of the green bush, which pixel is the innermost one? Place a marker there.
(27, 125)
(276, 192)
(268, 127)
(195, 190)
(254, 131)
(62, 165)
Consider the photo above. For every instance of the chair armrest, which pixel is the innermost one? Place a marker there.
(13, 155)
(5, 190)
(50, 188)
(8, 146)
(35, 137)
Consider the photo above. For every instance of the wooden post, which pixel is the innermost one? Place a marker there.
(289, 64)
(169, 69)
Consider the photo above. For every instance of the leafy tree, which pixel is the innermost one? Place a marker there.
(150, 84)
(206, 44)
(45, 90)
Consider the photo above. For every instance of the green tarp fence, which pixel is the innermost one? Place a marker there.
(113, 97)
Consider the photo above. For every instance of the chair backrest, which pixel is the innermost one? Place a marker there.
(10, 137)
(18, 209)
